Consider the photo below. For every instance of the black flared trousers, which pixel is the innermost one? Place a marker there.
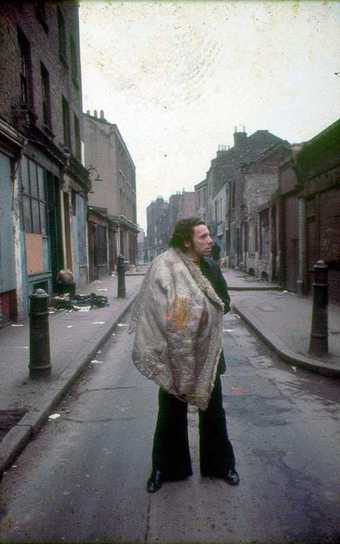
(171, 452)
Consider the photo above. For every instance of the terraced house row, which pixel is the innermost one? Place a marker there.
(48, 180)
(274, 207)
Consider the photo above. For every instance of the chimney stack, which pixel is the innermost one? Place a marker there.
(95, 114)
(240, 137)
(102, 114)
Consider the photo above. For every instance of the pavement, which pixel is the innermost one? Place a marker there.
(283, 320)
(280, 318)
(75, 339)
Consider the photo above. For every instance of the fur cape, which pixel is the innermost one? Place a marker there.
(179, 326)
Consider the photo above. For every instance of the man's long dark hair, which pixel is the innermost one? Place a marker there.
(183, 232)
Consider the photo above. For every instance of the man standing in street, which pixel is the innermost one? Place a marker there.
(178, 344)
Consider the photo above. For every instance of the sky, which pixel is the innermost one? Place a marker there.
(178, 77)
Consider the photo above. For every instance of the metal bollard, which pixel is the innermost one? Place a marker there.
(40, 358)
(121, 277)
(319, 333)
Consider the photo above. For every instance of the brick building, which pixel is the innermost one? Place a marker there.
(161, 219)
(318, 171)
(113, 195)
(41, 102)
(181, 205)
(260, 248)
(157, 217)
(201, 199)
(225, 190)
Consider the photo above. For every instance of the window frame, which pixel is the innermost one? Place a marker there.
(34, 204)
(66, 123)
(25, 72)
(46, 95)
(62, 37)
(76, 124)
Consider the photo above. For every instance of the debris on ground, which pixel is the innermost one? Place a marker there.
(53, 416)
(83, 303)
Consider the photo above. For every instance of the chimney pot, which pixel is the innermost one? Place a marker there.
(95, 113)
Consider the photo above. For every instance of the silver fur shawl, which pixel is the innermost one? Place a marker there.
(178, 328)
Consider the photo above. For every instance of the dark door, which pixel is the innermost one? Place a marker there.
(292, 242)
(92, 244)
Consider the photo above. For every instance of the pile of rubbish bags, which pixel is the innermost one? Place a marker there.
(79, 302)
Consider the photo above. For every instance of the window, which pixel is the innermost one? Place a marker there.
(26, 95)
(77, 137)
(264, 233)
(227, 198)
(246, 236)
(34, 197)
(40, 11)
(233, 191)
(46, 99)
(62, 37)
(74, 61)
(74, 202)
(66, 123)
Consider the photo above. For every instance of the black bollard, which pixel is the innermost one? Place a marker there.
(40, 358)
(121, 277)
(319, 333)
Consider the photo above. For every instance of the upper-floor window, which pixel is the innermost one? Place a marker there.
(233, 194)
(66, 123)
(26, 94)
(227, 198)
(46, 97)
(77, 137)
(40, 11)
(62, 37)
(74, 61)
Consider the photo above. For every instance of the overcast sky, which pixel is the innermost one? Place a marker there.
(177, 77)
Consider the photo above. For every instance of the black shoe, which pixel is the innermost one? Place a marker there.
(232, 477)
(154, 482)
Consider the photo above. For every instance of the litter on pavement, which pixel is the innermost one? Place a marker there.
(53, 416)
(83, 303)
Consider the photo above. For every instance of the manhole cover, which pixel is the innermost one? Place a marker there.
(9, 418)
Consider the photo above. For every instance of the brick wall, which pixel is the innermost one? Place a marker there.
(44, 47)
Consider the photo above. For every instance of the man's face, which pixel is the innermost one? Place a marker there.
(202, 243)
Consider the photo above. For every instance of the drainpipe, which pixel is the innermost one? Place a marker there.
(19, 243)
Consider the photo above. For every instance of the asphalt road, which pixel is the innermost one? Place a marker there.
(83, 478)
